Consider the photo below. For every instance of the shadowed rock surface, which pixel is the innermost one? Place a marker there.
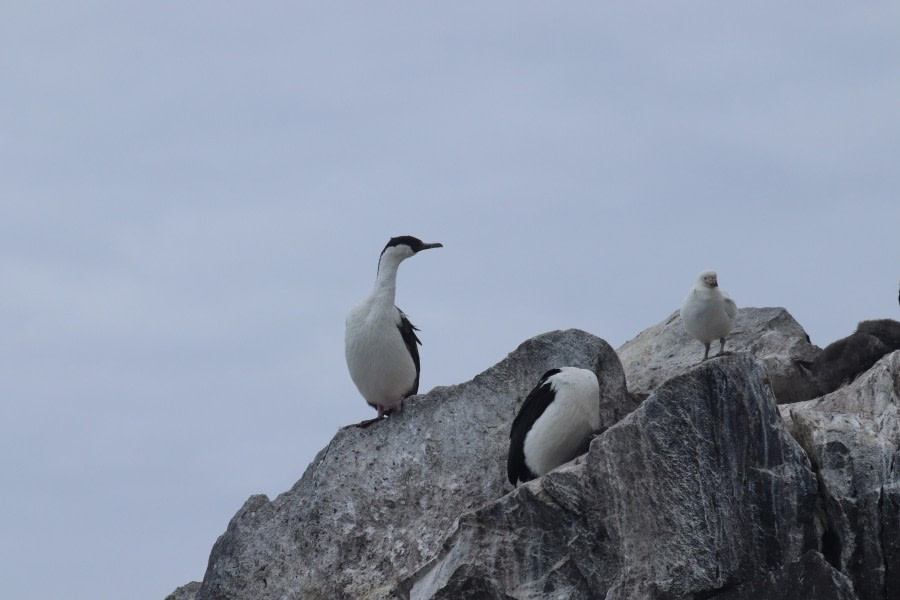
(810, 578)
(376, 503)
(699, 489)
(770, 334)
(852, 437)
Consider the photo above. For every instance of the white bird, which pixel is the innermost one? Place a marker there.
(380, 342)
(555, 423)
(708, 313)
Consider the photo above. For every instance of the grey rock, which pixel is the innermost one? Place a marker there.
(852, 437)
(698, 490)
(376, 503)
(769, 334)
(185, 592)
(698, 493)
(810, 578)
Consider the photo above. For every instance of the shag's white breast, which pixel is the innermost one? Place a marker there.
(559, 433)
(379, 362)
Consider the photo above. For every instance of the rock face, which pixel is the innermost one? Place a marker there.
(376, 503)
(809, 578)
(185, 592)
(696, 491)
(852, 437)
(770, 334)
(700, 492)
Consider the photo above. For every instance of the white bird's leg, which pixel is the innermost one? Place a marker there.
(721, 346)
(706, 354)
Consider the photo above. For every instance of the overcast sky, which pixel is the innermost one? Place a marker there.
(194, 194)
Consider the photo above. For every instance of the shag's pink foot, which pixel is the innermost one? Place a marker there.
(367, 422)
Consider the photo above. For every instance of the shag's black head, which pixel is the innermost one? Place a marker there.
(414, 243)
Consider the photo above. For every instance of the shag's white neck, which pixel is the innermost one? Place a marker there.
(386, 281)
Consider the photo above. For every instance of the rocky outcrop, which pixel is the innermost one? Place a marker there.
(852, 437)
(185, 592)
(698, 490)
(377, 503)
(770, 334)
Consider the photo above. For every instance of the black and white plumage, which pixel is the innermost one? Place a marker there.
(555, 423)
(380, 343)
(708, 313)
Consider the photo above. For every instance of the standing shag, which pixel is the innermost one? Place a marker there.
(555, 423)
(380, 342)
(708, 313)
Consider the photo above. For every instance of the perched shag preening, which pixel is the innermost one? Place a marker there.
(708, 313)
(555, 423)
(380, 342)
(844, 360)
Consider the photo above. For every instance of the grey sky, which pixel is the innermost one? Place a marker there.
(193, 195)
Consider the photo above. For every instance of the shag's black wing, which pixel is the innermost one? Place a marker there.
(534, 406)
(408, 333)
